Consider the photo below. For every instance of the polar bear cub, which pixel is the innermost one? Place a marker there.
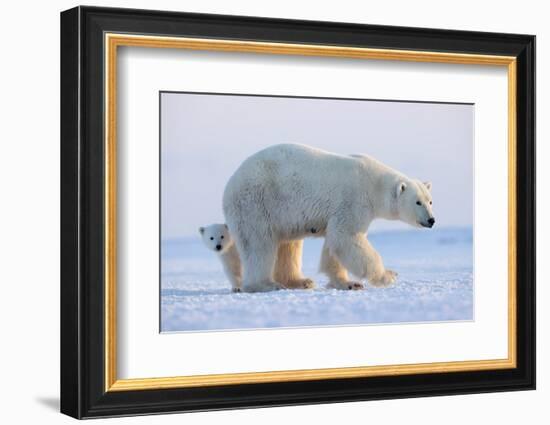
(216, 237)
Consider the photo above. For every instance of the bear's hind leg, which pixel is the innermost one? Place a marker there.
(258, 261)
(288, 269)
(232, 267)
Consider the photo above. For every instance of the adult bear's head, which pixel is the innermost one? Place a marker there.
(414, 203)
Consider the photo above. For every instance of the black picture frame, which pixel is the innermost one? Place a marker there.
(83, 392)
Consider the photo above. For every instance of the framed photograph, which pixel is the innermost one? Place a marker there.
(261, 212)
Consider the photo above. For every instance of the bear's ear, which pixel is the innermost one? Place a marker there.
(201, 230)
(401, 186)
(428, 185)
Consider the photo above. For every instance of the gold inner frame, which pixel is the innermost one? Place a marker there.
(113, 41)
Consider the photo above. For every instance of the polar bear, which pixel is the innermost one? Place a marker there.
(217, 238)
(287, 192)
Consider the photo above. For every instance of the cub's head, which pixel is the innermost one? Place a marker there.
(414, 203)
(216, 237)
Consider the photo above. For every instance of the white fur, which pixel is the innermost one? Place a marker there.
(289, 258)
(287, 192)
(217, 238)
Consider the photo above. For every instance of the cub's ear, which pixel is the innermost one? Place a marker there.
(201, 230)
(401, 186)
(428, 185)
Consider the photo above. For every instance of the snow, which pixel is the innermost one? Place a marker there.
(435, 283)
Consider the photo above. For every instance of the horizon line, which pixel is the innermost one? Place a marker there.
(375, 232)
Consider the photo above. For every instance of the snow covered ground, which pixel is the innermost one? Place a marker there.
(435, 284)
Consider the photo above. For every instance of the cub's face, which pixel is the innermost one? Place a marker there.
(216, 237)
(414, 203)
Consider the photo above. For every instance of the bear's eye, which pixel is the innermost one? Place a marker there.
(222, 236)
(211, 238)
(430, 202)
(418, 203)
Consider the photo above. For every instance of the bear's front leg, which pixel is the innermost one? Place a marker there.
(356, 253)
(337, 274)
(386, 279)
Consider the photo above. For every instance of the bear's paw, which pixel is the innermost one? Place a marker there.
(261, 287)
(388, 278)
(345, 286)
(304, 283)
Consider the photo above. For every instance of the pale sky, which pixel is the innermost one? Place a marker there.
(204, 138)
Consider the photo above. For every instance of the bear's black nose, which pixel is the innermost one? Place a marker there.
(431, 221)
(218, 247)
